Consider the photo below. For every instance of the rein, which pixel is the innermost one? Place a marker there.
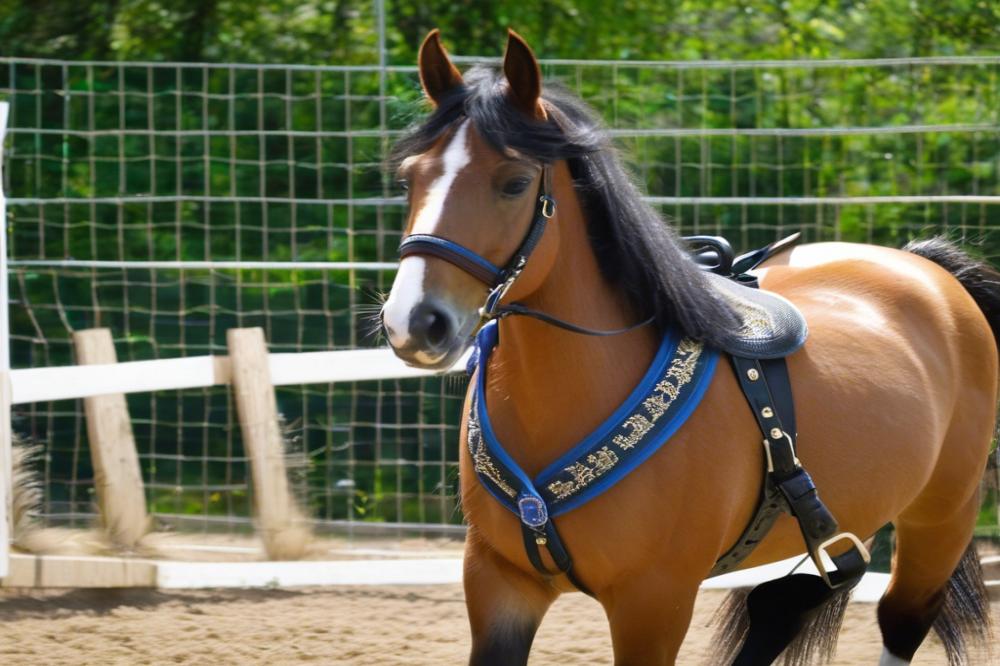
(500, 280)
(518, 309)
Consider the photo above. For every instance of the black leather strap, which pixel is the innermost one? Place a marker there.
(769, 507)
(521, 310)
(750, 260)
(756, 382)
(549, 537)
(768, 390)
(453, 253)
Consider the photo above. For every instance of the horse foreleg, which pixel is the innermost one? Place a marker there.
(649, 615)
(505, 606)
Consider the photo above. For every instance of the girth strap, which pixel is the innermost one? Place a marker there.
(771, 503)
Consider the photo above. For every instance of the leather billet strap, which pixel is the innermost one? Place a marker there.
(498, 279)
(767, 388)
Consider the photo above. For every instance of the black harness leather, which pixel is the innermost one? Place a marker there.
(787, 487)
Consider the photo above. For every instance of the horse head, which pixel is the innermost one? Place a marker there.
(470, 191)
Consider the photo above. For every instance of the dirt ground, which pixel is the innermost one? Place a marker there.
(351, 625)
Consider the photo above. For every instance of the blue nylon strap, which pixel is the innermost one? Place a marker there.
(637, 430)
(453, 253)
(667, 395)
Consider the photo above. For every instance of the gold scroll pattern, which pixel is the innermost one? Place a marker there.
(634, 428)
(482, 462)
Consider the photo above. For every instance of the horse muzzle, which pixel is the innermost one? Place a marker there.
(430, 336)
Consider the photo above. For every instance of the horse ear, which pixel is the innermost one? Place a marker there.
(438, 75)
(523, 76)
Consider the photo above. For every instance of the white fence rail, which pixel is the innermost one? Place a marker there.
(84, 381)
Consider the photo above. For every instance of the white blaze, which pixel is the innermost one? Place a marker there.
(408, 287)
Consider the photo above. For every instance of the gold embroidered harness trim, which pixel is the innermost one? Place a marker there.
(659, 405)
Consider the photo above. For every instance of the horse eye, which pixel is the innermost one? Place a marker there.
(403, 184)
(515, 187)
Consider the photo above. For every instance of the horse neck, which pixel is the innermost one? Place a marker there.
(548, 388)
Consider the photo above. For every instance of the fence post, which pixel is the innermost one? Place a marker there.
(279, 520)
(6, 456)
(117, 478)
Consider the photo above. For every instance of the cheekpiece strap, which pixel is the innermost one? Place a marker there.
(545, 208)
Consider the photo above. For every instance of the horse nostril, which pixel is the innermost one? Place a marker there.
(430, 326)
(439, 330)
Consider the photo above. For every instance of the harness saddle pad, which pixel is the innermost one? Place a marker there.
(770, 326)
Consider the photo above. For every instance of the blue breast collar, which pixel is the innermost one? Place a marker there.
(667, 395)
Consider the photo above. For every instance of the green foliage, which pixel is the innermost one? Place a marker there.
(343, 31)
(382, 451)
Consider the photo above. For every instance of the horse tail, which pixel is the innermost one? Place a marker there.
(980, 279)
(964, 623)
(964, 620)
(814, 643)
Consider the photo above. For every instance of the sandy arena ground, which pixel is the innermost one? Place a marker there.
(353, 625)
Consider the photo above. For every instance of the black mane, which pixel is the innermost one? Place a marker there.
(636, 249)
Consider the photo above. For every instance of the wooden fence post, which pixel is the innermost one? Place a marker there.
(117, 478)
(6, 478)
(284, 531)
(6, 492)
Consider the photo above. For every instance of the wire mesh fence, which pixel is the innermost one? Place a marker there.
(170, 202)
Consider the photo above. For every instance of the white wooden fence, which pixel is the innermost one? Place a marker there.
(113, 448)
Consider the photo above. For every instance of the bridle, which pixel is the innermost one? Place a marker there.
(500, 280)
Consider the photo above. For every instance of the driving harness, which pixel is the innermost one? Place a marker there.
(771, 328)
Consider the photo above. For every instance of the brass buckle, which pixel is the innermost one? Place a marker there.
(821, 550)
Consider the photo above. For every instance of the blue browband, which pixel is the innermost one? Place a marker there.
(667, 395)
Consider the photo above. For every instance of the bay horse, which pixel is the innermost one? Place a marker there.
(896, 385)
